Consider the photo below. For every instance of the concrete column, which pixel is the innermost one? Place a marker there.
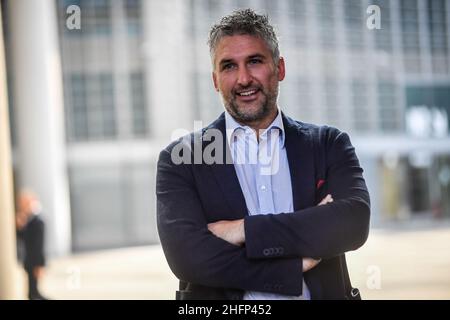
(121, 71)
(399, 67)
(314, 69)
(372, 54)
(424, 39)
(8, 260)
(38, 103)
(167, 62)
(344, 68)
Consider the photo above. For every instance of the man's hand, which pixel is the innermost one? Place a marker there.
(233, 232)
(327, 199)
(230, 231)
(309, 263)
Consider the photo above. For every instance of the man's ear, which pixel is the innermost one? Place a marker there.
(214, 77)
(281, 69)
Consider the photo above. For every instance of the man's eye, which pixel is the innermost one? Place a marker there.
(255, 61)
(227, 66)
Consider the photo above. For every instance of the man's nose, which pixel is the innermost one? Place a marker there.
(244, 77)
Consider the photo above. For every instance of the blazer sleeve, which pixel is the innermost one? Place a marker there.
(320, 231)
(195, 255)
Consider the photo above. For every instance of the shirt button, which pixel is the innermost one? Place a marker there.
(263, 188)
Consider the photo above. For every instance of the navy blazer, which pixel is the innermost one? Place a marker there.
(189, 196)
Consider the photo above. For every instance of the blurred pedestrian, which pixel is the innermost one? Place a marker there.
(30, 236)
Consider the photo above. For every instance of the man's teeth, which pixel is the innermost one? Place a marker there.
(247, 93)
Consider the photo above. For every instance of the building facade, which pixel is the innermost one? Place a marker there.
(138, 70)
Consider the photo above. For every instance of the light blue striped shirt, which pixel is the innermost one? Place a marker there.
(263, 172)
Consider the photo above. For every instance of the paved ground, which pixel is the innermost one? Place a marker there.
(393, 264)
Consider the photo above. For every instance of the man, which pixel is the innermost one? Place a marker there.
(275, 217)
(30, 233)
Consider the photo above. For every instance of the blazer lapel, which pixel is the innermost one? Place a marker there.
(225, 174)
(301, 164)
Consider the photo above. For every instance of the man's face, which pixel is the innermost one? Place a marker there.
(247, 77)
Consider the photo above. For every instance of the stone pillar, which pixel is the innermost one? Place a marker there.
(38, 102)
(8, 260)
(168, 55)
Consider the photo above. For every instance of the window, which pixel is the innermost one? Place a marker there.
(242, 4)
(139, 104)
(77, 123)
(383, 36)
(410, 34)
(326, 17)
(297, 22)
(354, 23)
(133, 9)
(97, 15)
(271, 8)
(332, 102)
(438, 35)
(389, 114)
(91, 111)
(362, 121)
(297, 102)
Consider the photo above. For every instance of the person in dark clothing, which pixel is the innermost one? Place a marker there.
(257, 205)
(30, 235)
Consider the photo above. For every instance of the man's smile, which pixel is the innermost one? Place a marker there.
(247, 94)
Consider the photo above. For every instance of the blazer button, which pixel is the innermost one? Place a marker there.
(266, 252)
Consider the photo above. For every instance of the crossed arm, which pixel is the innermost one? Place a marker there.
(207, 255)
(197, 256)
(233, 231)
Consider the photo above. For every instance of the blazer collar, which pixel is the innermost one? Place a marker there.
(300, 155)
(224, 172)
(231, 126)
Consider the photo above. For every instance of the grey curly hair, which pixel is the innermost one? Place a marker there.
(244, 22)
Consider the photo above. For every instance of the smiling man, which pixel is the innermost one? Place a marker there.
(247, 76)
(274, 220)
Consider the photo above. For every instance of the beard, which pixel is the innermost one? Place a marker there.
(257, 110)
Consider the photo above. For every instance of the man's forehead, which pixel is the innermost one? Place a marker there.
(239, 47)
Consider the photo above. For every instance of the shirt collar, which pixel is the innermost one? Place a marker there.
(232, 126)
